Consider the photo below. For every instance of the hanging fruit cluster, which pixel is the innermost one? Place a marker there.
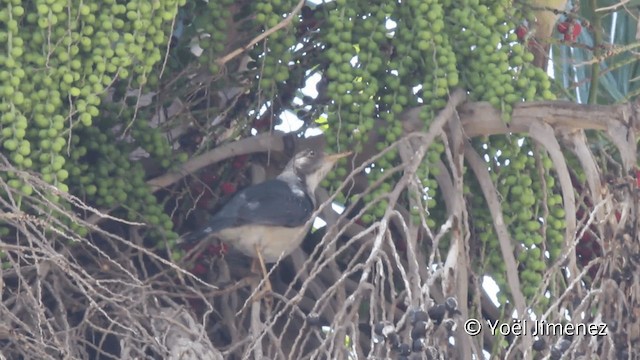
(422, 325)
(211, 28)
(533, 212)
(60, 58)
(277, 53)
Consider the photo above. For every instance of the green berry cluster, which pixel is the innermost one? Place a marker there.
(494, 65)
(355, 65)
(373, 70)
(352, 84)
(72, 53)
(278, 53)
(105, 177)
(154, 141)
(381, 58)
(212, 30)
(60, 58)
(522, 175)
(437, 62)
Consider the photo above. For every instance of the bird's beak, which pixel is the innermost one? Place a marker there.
(327, 162)
(335, 157)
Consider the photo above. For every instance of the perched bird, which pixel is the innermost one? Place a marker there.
(267, 221)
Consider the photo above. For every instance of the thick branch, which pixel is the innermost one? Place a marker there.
(478, 119)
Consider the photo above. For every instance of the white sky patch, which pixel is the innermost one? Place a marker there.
(391, 25)
(614, 22)
(312, 132)
(318, 223)
(290, 122)
(310, 86)
(491, 287)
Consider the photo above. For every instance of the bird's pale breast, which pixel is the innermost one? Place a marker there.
(274, 242)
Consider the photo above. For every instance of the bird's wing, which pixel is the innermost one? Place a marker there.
(272, 203)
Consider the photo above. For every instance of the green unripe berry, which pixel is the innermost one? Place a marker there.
(62, 174)
(10, 144)
(85, 119)
(15, 184)
(27, 189)
(17, 11)
(63, 187)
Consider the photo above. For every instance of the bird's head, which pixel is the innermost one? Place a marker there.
(312, 166)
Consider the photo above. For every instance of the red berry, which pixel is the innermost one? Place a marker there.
(217, 250)
(199, 269)
(521, 32)
(563, 27)
(228, 188)
(577, 29)
(571, 33)
(240, 161)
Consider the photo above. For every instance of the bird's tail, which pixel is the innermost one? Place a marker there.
(204, 232)
(193, 237)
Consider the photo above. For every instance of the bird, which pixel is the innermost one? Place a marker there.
(268, 221)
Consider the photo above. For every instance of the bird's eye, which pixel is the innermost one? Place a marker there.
(312, 153)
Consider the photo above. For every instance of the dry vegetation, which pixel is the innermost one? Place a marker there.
(108, 296)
